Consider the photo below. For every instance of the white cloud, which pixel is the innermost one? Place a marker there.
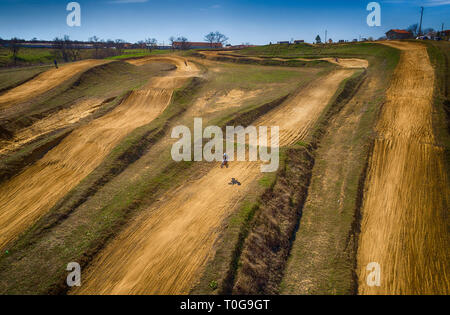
(127, 1)
(435, 3)
(425, 3)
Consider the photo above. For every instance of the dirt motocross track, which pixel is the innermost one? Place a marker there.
(29, 195)
(164, 250)
(45, 82)
(349, 63)
(405, 211)
(48, 124)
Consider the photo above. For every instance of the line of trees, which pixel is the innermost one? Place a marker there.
(67, 49)
(70, 50)
(414, 29)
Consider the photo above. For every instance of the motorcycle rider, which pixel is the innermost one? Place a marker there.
(225, 161)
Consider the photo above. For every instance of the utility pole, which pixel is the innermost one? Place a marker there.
(420, 27)
(326, 33)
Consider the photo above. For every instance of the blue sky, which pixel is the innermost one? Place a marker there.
(254, 21)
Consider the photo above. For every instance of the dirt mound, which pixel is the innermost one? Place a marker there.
(27, 196)
(351, 63)
(45, 81)
(50, 123)
(404, 216)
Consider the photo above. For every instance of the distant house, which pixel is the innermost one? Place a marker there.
(284, 42)
(399, 34)
(431, 35)
(196, 45)
(445, 34)
(299, 41)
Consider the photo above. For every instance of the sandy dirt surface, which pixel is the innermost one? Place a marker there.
(45, 82)
(405, 211)
(29, 195)
(60, 119)
(164, 250)
(351, 63)
(215, 101)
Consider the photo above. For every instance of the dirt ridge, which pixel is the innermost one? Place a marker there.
(404, 225)
(8, 88)
(16, 161)
(266, 250)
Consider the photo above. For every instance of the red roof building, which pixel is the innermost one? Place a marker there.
(399, 34)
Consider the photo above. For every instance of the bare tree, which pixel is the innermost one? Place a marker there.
(67, 49)
(215, 38)
(221, 38)
(185, 45)
(60, 46)
(109, 43)
(71, 48)
(74, 49)
(172, 39)
(141, 44)
(151, 43)
(414, 29)
(96, 42)
(120, 45)
(210, 38)
(14, 47)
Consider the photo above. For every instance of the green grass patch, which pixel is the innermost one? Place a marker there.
(268, 180)
(138, 53)
(302, 143)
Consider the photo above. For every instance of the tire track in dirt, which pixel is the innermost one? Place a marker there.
(404, 224)
(164, 250)
(60, 119)
(45, 82)
(27, 196)
(351, 63)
